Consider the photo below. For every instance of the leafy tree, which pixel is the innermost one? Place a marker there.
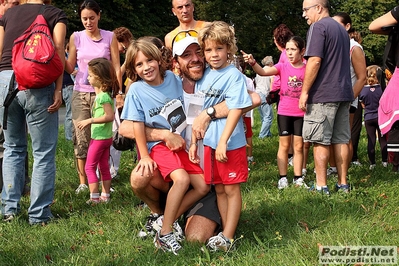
(253, 20)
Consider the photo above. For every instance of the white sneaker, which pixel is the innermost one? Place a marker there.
(81, 188)
(356, 163)
(177, 230)
(331, 171)
(219, 242)
(282, 183)
(384, 164)
(291, 161)
(300, 183)
(304, 172)
(372, 166)
(167, 242)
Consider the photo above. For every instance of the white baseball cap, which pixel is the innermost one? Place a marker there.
(180, 46)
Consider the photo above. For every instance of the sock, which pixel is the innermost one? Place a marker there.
(95, 196)
(320, 187)
(250, 158)
(333, 168)
(105, 196)
(283, 176)
(296, 177)
(290, 155)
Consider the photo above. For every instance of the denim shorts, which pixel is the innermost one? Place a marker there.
(327, 123)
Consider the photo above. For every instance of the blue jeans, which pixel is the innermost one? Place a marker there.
(67, 96)
(266, 115)
(29, 108)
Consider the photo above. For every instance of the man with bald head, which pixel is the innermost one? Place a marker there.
(184, 11)
(326, 92)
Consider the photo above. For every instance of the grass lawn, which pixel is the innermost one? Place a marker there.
(277, 227)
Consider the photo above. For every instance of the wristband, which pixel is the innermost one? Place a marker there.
(253, 63)
(92, 120)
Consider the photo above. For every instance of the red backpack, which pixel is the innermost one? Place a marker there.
(35, 61)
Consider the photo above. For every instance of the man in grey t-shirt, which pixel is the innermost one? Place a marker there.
(326, 92)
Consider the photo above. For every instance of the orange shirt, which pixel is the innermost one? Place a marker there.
(199, 25)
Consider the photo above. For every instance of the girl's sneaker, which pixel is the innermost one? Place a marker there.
(81, 188)
(104, 199)
(93, 201)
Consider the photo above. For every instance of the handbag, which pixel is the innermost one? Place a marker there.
(120, 142)
(273, 97)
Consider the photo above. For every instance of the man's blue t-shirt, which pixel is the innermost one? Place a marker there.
(328, 40)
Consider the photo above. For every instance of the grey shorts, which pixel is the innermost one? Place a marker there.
(327, 123)
(206, 207)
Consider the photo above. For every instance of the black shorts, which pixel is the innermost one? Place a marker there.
(206, 207)
(289, 125)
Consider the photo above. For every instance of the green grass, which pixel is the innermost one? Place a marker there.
(277, 227)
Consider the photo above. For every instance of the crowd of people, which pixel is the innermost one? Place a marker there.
(189, 109)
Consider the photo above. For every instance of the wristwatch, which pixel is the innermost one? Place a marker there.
(211, 112)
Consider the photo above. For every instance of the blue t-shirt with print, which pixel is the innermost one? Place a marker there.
(224, 84)
(143, 102)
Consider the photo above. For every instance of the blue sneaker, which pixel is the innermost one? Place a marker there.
(324, 190)
(342, 188)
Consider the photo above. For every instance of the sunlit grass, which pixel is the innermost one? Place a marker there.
(277, 227)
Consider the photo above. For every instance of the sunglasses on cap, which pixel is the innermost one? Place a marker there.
(183, 34)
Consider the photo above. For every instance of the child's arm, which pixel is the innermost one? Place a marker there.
(107, 117)
(192, 152)
(146, 165)
(270, 71)
(232, 119)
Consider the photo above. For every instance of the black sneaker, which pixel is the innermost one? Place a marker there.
(148, 227)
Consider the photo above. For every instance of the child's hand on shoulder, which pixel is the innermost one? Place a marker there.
(220, 153)
(84, 123)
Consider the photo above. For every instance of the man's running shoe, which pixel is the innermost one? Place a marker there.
(167, 242)
(148, 227)
(219, 242)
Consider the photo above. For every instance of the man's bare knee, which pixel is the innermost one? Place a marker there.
(199, 229)
(138, 181)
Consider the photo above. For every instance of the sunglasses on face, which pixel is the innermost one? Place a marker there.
(183, 34)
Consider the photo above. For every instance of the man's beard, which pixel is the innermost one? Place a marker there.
(193, 75)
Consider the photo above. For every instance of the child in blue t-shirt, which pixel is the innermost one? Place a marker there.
(102, 76)
(225, 160)
(155, 100)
